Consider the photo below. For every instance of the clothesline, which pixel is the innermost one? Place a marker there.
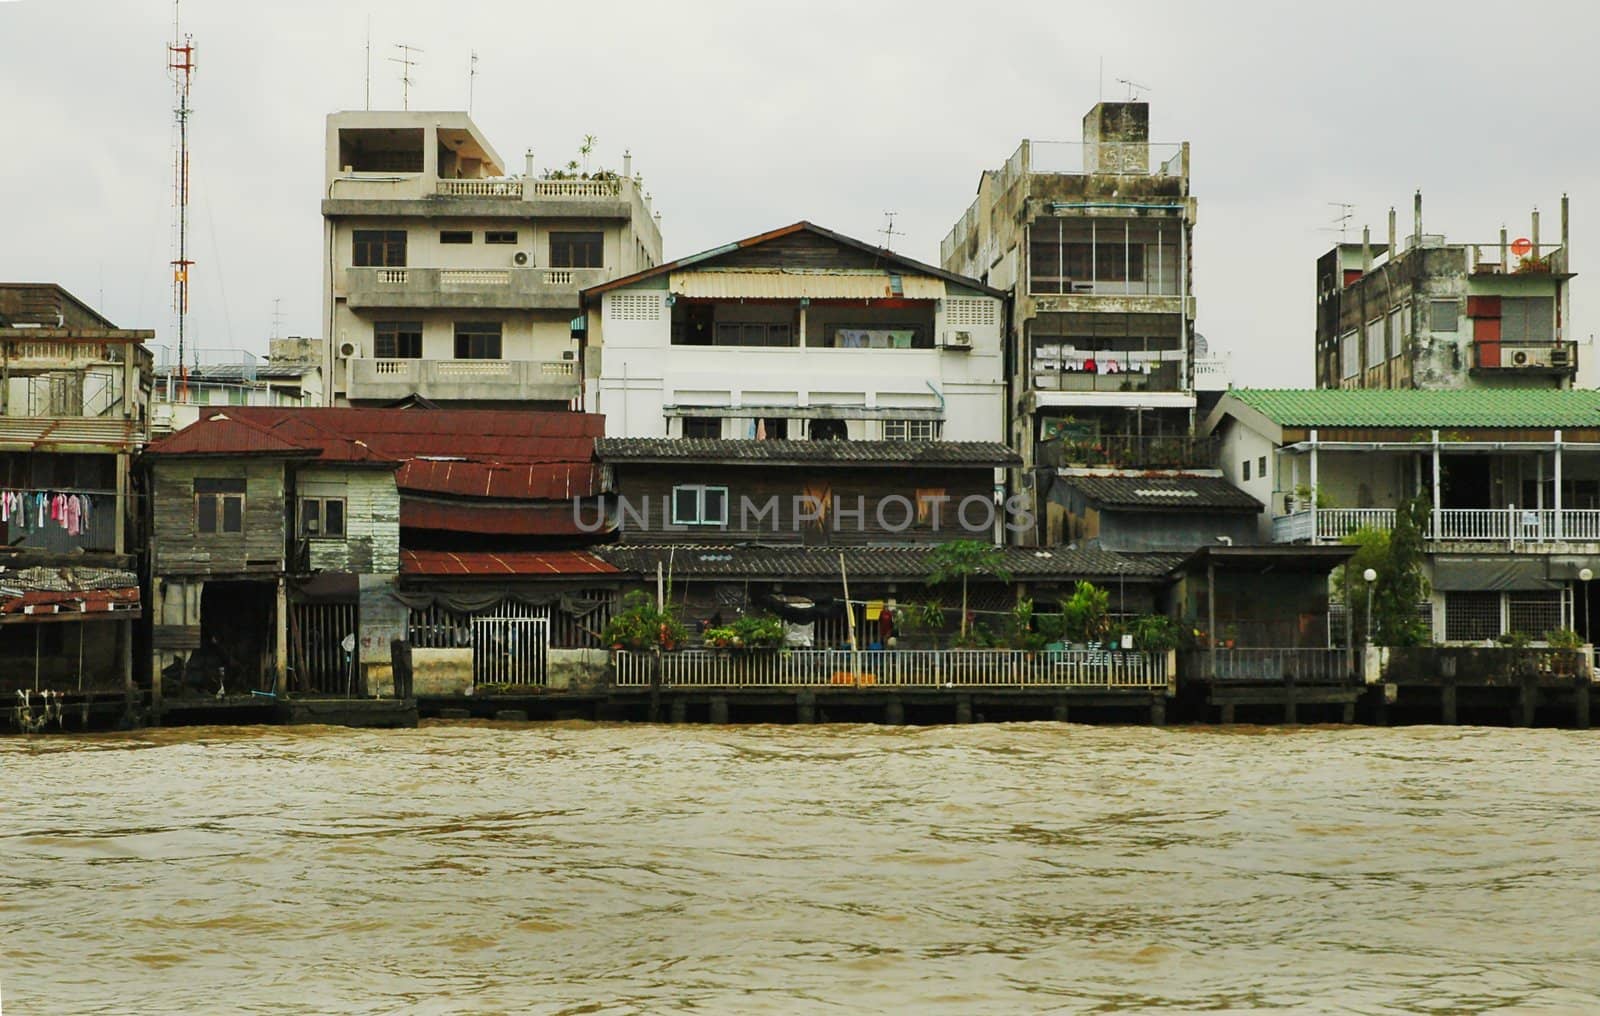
(42, 509)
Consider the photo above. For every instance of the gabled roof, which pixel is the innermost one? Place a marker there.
(222, 435)
(707, 259)
(1162, 493)
(1422, 409)
(737, 452)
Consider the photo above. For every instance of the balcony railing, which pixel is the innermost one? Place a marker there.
(519, 188)
(898, 668)
(1270, 666)
(508, 288)
(1467, 525)
(1558, 356)
(1128, 451)
(1131, 376)
(489, 380)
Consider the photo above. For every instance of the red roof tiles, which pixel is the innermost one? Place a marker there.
(532, 563)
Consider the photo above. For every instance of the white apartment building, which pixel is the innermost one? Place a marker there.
(448, 280)
(799, 333)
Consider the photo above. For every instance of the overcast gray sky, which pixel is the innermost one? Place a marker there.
(746, 116)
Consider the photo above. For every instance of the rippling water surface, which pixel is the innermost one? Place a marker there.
(623, 869)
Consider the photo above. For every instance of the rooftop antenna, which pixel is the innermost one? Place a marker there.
(888, 231)
(472, 79)
(277, 319)
(369, 63)
(1341, 222)
(1134, 88)
(181, 65)
(405, 62)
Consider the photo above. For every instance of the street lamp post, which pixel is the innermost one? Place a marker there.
(1584, 576)
(1371, 575)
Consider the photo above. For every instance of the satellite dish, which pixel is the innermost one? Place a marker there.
(1201, 346)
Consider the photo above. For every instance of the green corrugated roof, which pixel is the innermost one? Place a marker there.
(1471, 407)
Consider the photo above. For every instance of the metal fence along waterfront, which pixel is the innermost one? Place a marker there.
(904, 668)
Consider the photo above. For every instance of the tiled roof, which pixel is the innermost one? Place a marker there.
(970, 453)
(1467, 407)
(1166, 493)
(503, 563)
(800, 562)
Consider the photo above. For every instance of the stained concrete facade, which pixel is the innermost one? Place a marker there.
(449, 279)
(1421, 312)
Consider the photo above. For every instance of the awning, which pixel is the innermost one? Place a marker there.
(778, 284)
(487, 564)
(1463, 573)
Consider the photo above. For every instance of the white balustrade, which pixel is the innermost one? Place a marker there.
(928, 668)
(480, 188)
(474, 277)
(574, 188)
(391, 276)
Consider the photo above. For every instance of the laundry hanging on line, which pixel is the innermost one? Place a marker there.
(40, 509)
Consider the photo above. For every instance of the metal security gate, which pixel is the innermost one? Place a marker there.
(510, 650)
(324, 648)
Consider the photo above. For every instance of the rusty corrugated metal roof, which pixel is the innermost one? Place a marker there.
(502, 563)
(497, 519)
(785, 284)
(741, 451)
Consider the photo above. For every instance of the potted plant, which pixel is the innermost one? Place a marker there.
(641, 625)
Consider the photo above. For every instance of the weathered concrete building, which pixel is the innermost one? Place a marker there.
(800, 332)
(74, 398)
(1094, 242)
(1423, 312)
(291, 375)
(449, 280)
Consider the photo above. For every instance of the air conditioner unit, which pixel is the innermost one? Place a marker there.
(958, 340)
(347, 349)
(1525, 356)
(522, 259)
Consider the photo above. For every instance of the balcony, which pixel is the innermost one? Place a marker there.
(1128, 451)
(1139, 376)
(469, 288)
(1557, 357)
(463, 380)
(415, 193)
(1510, 526)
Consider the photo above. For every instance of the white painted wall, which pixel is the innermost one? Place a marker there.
(641, 373)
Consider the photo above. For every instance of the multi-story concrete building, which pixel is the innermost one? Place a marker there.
(797, 333)
(1421, 312)
(291, 375)
(448, 280)
(1093, 240)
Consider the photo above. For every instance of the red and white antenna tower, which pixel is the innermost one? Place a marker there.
(181, 65)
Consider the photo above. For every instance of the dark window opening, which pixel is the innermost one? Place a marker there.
(397, 340)
(829, 430)
(477, 340)
(577, 250)
(754, 333)
(322, 516)
(499, 236)
(455, 236)
(219, 505)
(705, 427)
(378, 248)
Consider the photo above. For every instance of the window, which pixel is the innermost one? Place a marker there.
(455, 236)
(772, 428)
(911, 430)
(1471, 617)
(218, 505)
(499, 236)
(1534, 613)
(1442, 315)
(477, 340)
(700, 506)
(894, 336)
(1527, 319)
(577, 250)
(928, 501)
(702, 427)
(753, 333)
(1349, 355)
(397, 340)
(1261, 467)
(322, 517)
(1375, 350)
(1247, 469)
(829, 430)
(1395, 343)
(378, 248)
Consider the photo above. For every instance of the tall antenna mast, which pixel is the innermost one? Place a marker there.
(277, 318)
(405, 62)
(1134, 88)
(1341, 222)
(180, 63)
(472, 79)
(888, 231)
(368, 80)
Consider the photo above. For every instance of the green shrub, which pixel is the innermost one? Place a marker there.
(640, 625)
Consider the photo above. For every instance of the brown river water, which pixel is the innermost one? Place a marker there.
(636, 869)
